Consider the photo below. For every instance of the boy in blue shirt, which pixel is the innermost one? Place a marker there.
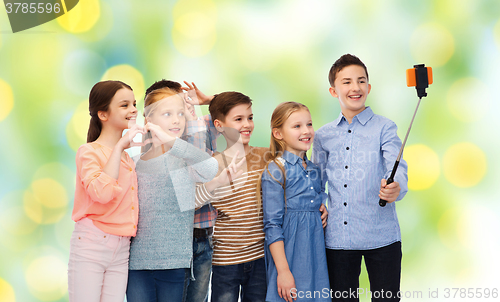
(356, 153)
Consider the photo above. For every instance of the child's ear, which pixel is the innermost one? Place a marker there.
(103, 115)
(218, 125)
(369, 88)
(277, 134)
(333, 92)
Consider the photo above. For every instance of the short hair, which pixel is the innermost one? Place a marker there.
(222, 103)
(341, 63)
(162, 84)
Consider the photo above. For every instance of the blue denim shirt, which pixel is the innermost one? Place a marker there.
(353, 159)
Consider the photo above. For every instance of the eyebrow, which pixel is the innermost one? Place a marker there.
(126, 101)
(359, 78)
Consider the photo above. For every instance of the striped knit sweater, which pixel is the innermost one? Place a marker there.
(238, 233)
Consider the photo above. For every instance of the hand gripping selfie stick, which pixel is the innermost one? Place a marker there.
(419, 77)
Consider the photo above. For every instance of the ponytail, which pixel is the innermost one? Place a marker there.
(95, 128)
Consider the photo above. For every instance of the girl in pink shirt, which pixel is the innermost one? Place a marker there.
(105, 205)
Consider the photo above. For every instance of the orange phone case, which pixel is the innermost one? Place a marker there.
(411, 80)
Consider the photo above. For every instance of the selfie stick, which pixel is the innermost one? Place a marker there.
(420, 77)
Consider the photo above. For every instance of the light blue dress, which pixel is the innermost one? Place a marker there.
(299, 226)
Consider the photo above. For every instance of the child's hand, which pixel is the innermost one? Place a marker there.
(286, 283)
(324, 215)
(127, 140)
(202, 98)
(389, 192)
(190, 113)
(159, 136)
(231, 172)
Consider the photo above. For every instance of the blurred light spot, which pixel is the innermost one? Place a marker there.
(46, 202)
(32, 207)
(59, 172)
(423, 166)
(6, 292)
(496, 33)
(130, 76)
(194, 30)
(78, 126)
(47, 278)
(13, 218)
(467, 11)
(6, 99)
(82, 17)
(464, 165)
(450, 227)
(50, 193)
(432, 44)
(462, 94)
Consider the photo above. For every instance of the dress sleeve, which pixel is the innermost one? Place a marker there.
(273, 203)
(390, 145)
(99, 186)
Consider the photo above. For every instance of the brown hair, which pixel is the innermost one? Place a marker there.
(162, 84)
(99, 99)
(278, 146)
(222, 103)
(341, 63)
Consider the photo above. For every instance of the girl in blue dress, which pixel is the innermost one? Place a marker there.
(291, 199)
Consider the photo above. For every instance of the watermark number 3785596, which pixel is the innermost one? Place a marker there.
(27, 14)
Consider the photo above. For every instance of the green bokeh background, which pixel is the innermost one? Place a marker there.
(273, 51)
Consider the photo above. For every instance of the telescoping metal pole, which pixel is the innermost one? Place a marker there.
(420, 77)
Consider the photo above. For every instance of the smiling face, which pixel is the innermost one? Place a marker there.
(297, 132)
(122, 112)
(351, 88)
(237, 125)
(169, 115)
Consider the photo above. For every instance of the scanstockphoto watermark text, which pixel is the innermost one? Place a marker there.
(432, 293)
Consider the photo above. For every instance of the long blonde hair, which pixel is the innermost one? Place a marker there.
(277, 146)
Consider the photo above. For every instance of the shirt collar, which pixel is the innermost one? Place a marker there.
(363, 117)
(292, 158)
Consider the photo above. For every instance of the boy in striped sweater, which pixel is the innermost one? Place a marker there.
(238, 258)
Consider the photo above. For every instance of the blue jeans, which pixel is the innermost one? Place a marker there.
(250, 277)
(383, 266)
(202, 267)
(167, 285)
